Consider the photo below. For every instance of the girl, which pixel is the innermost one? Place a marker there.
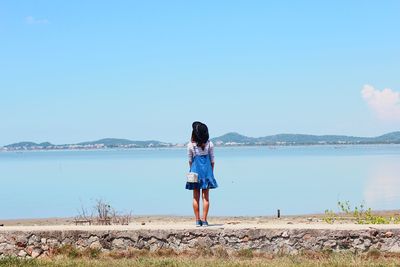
(201, 161)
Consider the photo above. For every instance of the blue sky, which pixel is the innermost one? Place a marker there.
(73, 71)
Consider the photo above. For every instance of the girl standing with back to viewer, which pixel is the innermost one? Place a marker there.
(201, 161)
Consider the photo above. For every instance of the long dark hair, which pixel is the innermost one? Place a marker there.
(196, 140)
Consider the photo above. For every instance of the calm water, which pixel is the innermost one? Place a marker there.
(252, 180)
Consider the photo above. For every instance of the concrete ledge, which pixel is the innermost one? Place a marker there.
(40, 241)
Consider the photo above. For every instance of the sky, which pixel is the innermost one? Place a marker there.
(73, 71)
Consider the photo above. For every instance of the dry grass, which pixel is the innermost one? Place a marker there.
(218, 257)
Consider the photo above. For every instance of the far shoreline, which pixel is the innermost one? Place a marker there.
(270, 146)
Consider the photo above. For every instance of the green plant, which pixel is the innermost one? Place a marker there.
(370, 218)
(395, 219)
(329, 217)
(344, 206)
(359, 214)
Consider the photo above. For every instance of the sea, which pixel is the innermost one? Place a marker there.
(253, 181)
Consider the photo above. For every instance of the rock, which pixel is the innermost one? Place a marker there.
(118, 243)
(7, 247)
(140, 244)
(388, 234)
(36, 252)
(33, 240)
(22, 254)
(395, 248)
(367, 243)
(96, 245)
(143, 223)
(82, 242)
(330, 244)
(93, 239)
(285, 234)
(21, 240)
(67, 241)
(373, 232)
(52, 242)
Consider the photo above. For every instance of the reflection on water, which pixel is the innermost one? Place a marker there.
(382, 189)
(252, 180)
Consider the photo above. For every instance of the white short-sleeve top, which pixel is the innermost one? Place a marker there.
(193, 150)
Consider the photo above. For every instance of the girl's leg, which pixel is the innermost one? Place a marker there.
(206, 203)
(196, 198)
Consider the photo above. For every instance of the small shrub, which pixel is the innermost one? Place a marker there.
(329, 217)
(115, 254)
(203, 250)
(68, 250)
(165, 252)
(137, 253)
(373, 253)
(344, 206)
(245, 253)
(360, 215)
(17, 262)
(221, 252)
(92, 253)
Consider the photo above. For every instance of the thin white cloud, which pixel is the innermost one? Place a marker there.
(385, 103)
(33, 20)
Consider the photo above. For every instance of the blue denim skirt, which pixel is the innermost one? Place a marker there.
(202, 166)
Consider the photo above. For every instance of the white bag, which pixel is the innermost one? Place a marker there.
(192, 177)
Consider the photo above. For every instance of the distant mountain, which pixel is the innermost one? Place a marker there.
(234, 137)
(298, 139)
(102, 143)
(29, 144)
(393, 137)
(124, 142)
(229, 139)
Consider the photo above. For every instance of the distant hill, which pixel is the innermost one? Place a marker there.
(102, 143)
(229, 139)
(124, 142)
(293, 139)
(29, 144)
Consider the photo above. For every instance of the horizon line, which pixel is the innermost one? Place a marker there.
(114, 138)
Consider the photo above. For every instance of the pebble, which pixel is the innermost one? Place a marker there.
(388, 234)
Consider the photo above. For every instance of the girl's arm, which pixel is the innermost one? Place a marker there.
(190, 155)
(212, 158)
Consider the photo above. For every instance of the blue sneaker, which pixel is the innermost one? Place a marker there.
(199, 223)
(204, 223)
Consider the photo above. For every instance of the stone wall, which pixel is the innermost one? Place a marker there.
(41, 243)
